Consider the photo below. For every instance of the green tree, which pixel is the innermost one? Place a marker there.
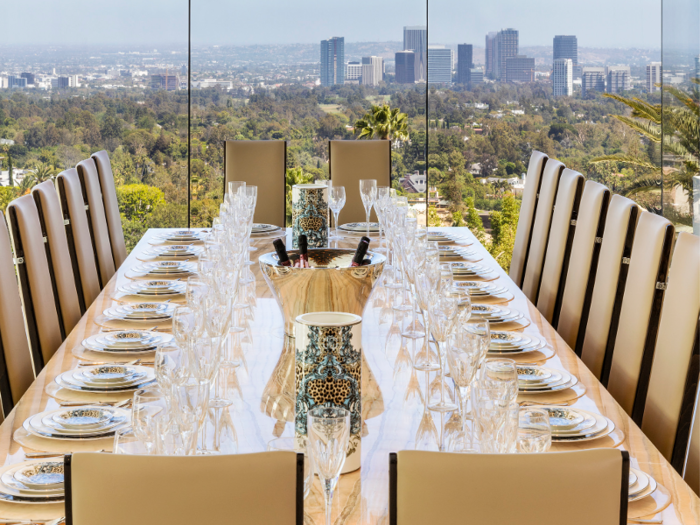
(457, 219)
(137, 201)
(433, 217)
(384, 123)
(474, 222)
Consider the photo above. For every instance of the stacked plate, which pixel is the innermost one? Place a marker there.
(154, 288)
(534, 379)
(166, 269)
(513, 343)
(641, 485)
(265, 228)
(126, 342)
(359, 227)
(449, 252)
(174, 251)
(481, 289)
(460, 269)
(149, 312)
(494, 314)
(88, 422)
(573, 424)
(182, 236)
(106, 378)
(34, 481)
(439, 237)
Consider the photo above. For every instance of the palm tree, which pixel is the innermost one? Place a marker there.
(384, 122)
(42, 172)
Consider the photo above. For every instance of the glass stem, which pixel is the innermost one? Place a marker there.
(463, 399)
(367, 214)
(441, 373)
(328, 491)
(335, 220)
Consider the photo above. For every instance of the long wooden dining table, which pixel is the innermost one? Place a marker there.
(392, 401)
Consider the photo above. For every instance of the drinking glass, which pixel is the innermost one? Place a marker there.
(501, 374)
(534, 431)
(170, 366)
(233, 188)
(298, 445)
(442, 311)
(192, 398)
(336, 201)
(368, 192)
(175, 436)
(183, 325)
(383, 200)
(127, 442)
(149, 405)
(490, 415)
(329, 434)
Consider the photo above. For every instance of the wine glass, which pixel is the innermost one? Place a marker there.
(383, 200)
(336, 201)
(534, 430)
(192, 398)
(442, 311)
(298, 445)
(127, 442)
(368, 192)
(329, 434)
(183, 325)
(149, 405)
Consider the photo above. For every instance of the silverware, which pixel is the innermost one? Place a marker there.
(38, 455)
(636, 520)
(535, 404)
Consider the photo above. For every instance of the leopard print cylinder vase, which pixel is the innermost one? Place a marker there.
(328, 372)
(310, 214)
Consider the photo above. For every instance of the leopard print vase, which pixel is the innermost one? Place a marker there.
(329, 372)
(310, 214)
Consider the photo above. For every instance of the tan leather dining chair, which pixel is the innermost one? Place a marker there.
(18, 373)
(56, 243)
(109, 198)
(691, 472)
(540, 229)
(528, 206)
(245, 489)
(261, 163)
(41, 307)
(350, 161)
(97, 220)
(611, 274)
(561, 237)
(668, 409)
(78, 235)
(630, 355)
(454, 489)
(583, 263)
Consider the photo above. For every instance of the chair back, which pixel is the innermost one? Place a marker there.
(540, 229)
(97, 220)
(668, 408)
(528, 206)
(561, 237)
(261, 163)
(16, 372)
(604, 311)
(353, 160)
(691, 472)
(78, 235)
(583, 263)
(60, 265)
(632, 350)
(246, 489)
(109, 197)
(453, 489)
(39, 294)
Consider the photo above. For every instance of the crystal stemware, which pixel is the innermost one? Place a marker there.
(336, 201)
(534, 430)
(368, 193)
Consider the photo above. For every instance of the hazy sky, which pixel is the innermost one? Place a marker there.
(597, 23)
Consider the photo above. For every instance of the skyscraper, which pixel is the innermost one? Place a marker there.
(405, 67)
(333, 61)
(697, 66)
(519, 69)
(354, 72)
(372, 71)
(506, 47)
(563, 77)
(29, 77)
(618, 79)
(415, 38)
(464, 63)
(476, 76)
(439, 65)
(653, 76)
(491, 55)
(566, 46)
(592, 79)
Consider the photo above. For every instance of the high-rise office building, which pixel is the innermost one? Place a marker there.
(592, 79)
(519, 69)
(354, 72)
(476, 76)
(618, 79)
(405, 67)
(415, 38)
(30, 78)
(566, 46)
(697, 66)
(506, 47)
(563, 77)
(653, 77)
(333, 61)
(372, 71)
(490, 55)
(16, 82)
(464, 63)
(439, 65)
(162, 81)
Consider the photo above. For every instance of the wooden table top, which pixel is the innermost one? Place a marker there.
(362, 496)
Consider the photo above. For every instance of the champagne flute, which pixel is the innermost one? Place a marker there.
(368, 193)
(336, 201)
(329, 434)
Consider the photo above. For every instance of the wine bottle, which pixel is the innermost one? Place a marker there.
(360, 252)
(303, 252)
(281, 250)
